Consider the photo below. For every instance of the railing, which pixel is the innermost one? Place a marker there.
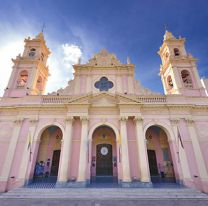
(152, 99)
(55, 99)
(64, 99)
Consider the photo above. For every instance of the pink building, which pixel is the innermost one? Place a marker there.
(104, 126)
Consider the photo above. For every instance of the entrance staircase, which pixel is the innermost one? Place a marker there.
(105, 193)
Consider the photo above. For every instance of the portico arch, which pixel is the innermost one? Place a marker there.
(161, 150)
(52, 156)
(103, 136)
(163, 126)
(103, 124)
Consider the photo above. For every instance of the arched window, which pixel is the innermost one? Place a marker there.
(39, 83)
(176, 52)
(186, 77)
(170, 82)
(32, 52)
(22, 80)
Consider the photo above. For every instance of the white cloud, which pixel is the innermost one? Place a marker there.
(60, 62)
(71, 54)
(7, 52)
(60, 65)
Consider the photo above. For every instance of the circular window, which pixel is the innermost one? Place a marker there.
(104, 150)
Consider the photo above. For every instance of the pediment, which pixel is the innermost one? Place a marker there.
(105, 99)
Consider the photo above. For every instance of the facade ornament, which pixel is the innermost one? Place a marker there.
(174, 121)
(84, 119)
(33, 121)
(138, 119)
(18, 121)
(69, 119)
(190, 122)
(123, 118)
(104, 59)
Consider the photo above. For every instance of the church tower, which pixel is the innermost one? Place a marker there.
(30, 73)
(178, 70)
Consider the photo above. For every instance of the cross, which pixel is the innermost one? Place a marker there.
(43, 27)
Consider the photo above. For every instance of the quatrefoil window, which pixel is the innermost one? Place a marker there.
(103, 84)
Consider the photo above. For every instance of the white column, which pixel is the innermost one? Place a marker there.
(142, 151)
(27, 150)
(197, 150)
(124, 150)
(83, 151)
(186, 175)
(66, 151)
(11, 151)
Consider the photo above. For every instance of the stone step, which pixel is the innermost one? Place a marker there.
(105, 193)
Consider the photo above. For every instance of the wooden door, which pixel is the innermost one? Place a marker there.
(104, 163)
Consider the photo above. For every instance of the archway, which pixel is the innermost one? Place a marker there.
(159, 155)
(48, 157)
(104, 155)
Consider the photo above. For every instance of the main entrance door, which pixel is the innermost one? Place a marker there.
(104, 163)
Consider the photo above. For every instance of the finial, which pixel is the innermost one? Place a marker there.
(128, 60)
(79, 60)
(165, 26)
(43, 27)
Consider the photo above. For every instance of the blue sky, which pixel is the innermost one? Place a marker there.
(128, 28)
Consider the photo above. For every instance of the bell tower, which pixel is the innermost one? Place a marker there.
(30, 73)
(178, 71)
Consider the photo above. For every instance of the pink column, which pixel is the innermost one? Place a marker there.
(176, 162)
(32, 160)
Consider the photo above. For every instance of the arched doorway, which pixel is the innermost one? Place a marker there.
(48, 157)
(104, 156)
(159, 156)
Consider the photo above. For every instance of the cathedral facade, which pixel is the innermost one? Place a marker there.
(104, 126)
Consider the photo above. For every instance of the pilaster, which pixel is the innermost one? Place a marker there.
(65, 151)
(197, 150)
(83, 150)
(10, 154)
(124, 150)
(181, 160)
(142, 151)
(27, 152)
